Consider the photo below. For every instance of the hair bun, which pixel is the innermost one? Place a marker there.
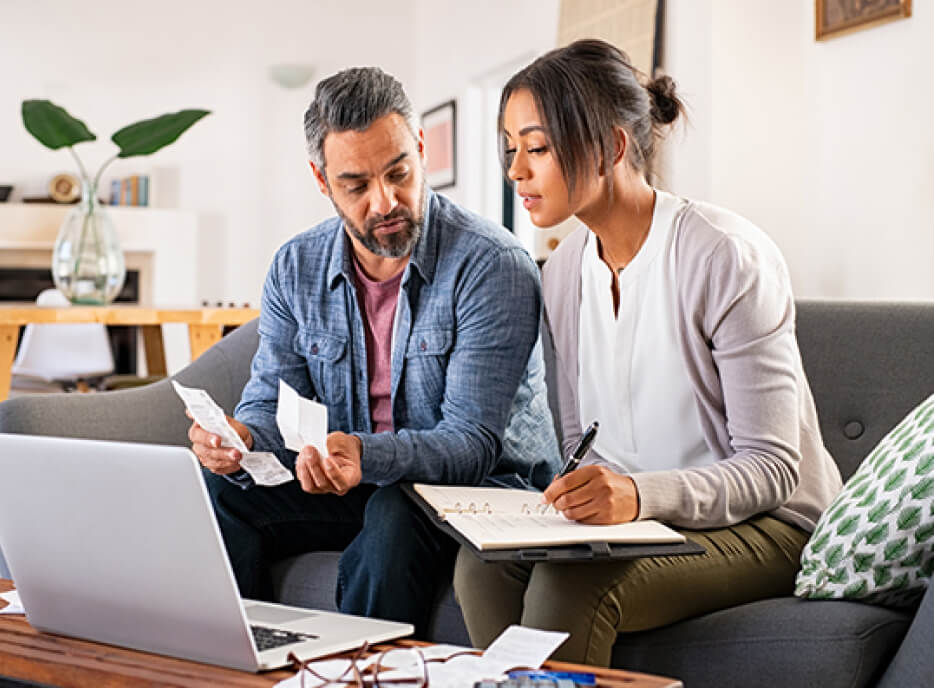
(666, 106)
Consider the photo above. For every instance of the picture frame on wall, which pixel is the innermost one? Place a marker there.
(838, 17)
(440, 127)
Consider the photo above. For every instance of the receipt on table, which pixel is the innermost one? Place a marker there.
(301, 421)
(14, 606)
(263, 467)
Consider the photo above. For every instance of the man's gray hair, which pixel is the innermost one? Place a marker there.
(352, 100)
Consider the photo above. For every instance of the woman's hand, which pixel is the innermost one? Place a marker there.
(595, 495)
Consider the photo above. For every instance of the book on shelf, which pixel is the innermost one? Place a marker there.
(501, 523)
(132, 190)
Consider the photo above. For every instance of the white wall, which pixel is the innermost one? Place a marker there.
(466, 51)
(823, 144)
(243, 169)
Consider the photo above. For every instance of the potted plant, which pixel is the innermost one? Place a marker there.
(87, 262)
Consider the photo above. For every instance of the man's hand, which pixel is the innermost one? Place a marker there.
(207, 447)
(595, 495)
(335, 473)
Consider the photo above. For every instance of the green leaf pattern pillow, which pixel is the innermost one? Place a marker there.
(875, 542)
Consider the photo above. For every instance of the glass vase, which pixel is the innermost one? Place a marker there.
(87, 262)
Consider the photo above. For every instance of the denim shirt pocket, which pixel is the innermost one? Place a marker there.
(426, 364)
(325, 354)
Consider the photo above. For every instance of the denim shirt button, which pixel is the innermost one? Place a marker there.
(423, 345)
(314, 349)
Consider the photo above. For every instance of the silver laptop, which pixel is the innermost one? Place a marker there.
(118, 543)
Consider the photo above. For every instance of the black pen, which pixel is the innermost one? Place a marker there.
(590, 434)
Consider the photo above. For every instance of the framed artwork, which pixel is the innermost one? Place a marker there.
(440, 127)
(838, 17)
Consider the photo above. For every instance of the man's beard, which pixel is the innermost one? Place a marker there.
(397, 244)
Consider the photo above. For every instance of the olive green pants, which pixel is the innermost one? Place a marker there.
(593, 601)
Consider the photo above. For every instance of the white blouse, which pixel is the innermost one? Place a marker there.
(633, 379)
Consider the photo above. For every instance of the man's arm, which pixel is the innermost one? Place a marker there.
(275, 358)
(497, 311)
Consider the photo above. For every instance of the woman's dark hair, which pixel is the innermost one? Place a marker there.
(582, 92)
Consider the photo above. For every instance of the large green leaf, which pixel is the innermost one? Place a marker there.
(925, 464)
(863, 562)
(925, 532)
(848, 525)
(909, 517)
(820, 542)
(149, 135)
(878, 512)
(896, 480)
(895, 549)
(924, 489)
(877, 534)
(834, 555)
(855, 589)
(52, 125)
(870, 498)
(881, 575)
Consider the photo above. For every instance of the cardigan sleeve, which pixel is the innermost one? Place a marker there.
(745, 361)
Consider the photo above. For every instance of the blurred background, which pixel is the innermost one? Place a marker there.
(821, 143)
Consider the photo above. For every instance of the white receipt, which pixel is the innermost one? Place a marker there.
(521, 646)
(301, 421)
(15, 606)
(263, 467)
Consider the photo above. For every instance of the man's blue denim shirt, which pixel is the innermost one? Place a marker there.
(468, 389)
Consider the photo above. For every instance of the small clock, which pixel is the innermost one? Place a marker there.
(64, 188)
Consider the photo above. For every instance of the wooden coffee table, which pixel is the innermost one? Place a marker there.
(31, 656)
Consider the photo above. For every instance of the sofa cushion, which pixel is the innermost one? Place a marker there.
(777, 642)
(875, 542)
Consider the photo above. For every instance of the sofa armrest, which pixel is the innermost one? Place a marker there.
(914, 662)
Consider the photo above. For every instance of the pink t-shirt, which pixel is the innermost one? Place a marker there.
(379, 311)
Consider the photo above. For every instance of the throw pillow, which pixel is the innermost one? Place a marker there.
(875, 542)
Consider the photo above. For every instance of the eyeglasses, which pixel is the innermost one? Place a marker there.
(362, 671)
(394, 666)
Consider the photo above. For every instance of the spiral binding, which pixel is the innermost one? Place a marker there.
(485, 508)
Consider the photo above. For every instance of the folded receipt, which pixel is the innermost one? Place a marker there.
(263, 467)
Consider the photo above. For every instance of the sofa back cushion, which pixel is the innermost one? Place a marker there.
(868, 364)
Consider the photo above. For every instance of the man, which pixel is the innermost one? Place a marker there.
(415, 322)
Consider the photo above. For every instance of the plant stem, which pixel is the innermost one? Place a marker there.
(84, 232)
(84, 172)
(97, 177)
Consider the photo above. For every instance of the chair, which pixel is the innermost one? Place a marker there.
(66, 357)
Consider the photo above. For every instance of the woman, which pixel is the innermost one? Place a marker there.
(673, 326)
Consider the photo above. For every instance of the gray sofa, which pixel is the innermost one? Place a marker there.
(868, 364)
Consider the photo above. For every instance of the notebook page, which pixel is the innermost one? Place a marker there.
(503, 531)
(453, 499)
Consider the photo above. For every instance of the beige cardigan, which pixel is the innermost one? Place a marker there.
(736, 326)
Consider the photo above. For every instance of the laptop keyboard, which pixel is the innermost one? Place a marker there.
(267, 638)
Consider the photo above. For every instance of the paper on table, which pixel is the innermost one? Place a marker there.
(15, 606)
(301, 421)
(521, 646)
(263, 467)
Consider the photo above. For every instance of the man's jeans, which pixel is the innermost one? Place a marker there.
(393, 557)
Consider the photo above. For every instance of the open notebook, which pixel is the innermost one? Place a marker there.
(492, 518)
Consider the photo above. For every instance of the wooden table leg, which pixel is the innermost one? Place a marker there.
(202, 337)
(155, 350)
(8, 336)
